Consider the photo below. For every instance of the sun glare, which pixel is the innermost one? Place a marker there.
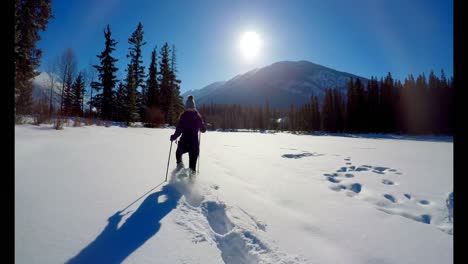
(250, 44)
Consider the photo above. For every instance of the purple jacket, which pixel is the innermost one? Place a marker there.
(190, 123)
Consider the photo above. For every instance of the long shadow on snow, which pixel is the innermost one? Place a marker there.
(114, 244)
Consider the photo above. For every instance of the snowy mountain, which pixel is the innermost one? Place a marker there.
(97, 195)
(41, 87)
(282, 84)
(200, 93)
(42, 84)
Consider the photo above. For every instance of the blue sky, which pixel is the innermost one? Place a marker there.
(363, 37)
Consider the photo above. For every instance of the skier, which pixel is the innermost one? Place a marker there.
(190, 122)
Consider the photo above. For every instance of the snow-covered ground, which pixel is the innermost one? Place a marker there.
(259, 198)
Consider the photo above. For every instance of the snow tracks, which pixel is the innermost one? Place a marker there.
(387, 197)
(238, 235)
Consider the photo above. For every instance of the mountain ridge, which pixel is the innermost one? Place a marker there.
(281, 84)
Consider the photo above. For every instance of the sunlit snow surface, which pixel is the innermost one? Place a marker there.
(259, 198)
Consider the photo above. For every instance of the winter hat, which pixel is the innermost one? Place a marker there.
(190, 103)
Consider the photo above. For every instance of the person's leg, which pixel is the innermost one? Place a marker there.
(179, 152)
(193, 156)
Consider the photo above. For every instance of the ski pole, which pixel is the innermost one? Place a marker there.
(168, 161)
(199, 140)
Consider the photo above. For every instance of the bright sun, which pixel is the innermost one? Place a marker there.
(250, 45)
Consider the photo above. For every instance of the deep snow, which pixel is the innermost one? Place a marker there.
(259, 198)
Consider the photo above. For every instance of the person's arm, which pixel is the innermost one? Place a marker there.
(178, 131)
(201, 124)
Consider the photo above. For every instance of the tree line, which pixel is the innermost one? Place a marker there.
(152, 97)
(417, 106)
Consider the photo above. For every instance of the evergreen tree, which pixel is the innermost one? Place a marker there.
(351, 107)
(451, 108)
(315, 114)
(77, 95)
(338, 105)
(177, 105)
(90, 79)
(436, 101)
(445, 105)
(422, 107)
(165, 76)
(387, 104)
(135, 75)
(433, 81)
(107, 79)
(318, 119)
(329, 115)
(30, 17)
(373, 105)
(397, 101)
(120, 101)
(409, 103)
(443, 80)
(67, 68)
(359, 107)
(67, 95)
(152, 82)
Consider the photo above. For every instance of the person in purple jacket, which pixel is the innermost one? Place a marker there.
(190, 122)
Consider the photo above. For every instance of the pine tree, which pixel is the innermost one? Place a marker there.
(373, 105)
(359, 107)
(451, 103)
(177, 105)
(67, 95)
(170, 100)
(131, 113)
(152, 82)
(135, 75)
(338, 105)
(387, 104)
(90, 79)
(165, 82)
(351, 107)
(310, 115)
(30, 17)
(329, 115)
(67, 68)
(446, 104)
(397, 102)
(120, 101)
(77, 95)
(433, 81)
(107, 79)
(409, 104)
(422, 120)
(317, 115)
(443, 80)
(313, 114)
(435, 100)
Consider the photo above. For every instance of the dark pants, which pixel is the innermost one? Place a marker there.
(193, 154)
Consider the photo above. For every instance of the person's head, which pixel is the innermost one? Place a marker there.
(190, 103)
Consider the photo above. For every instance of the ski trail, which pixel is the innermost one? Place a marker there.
(210, 220)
